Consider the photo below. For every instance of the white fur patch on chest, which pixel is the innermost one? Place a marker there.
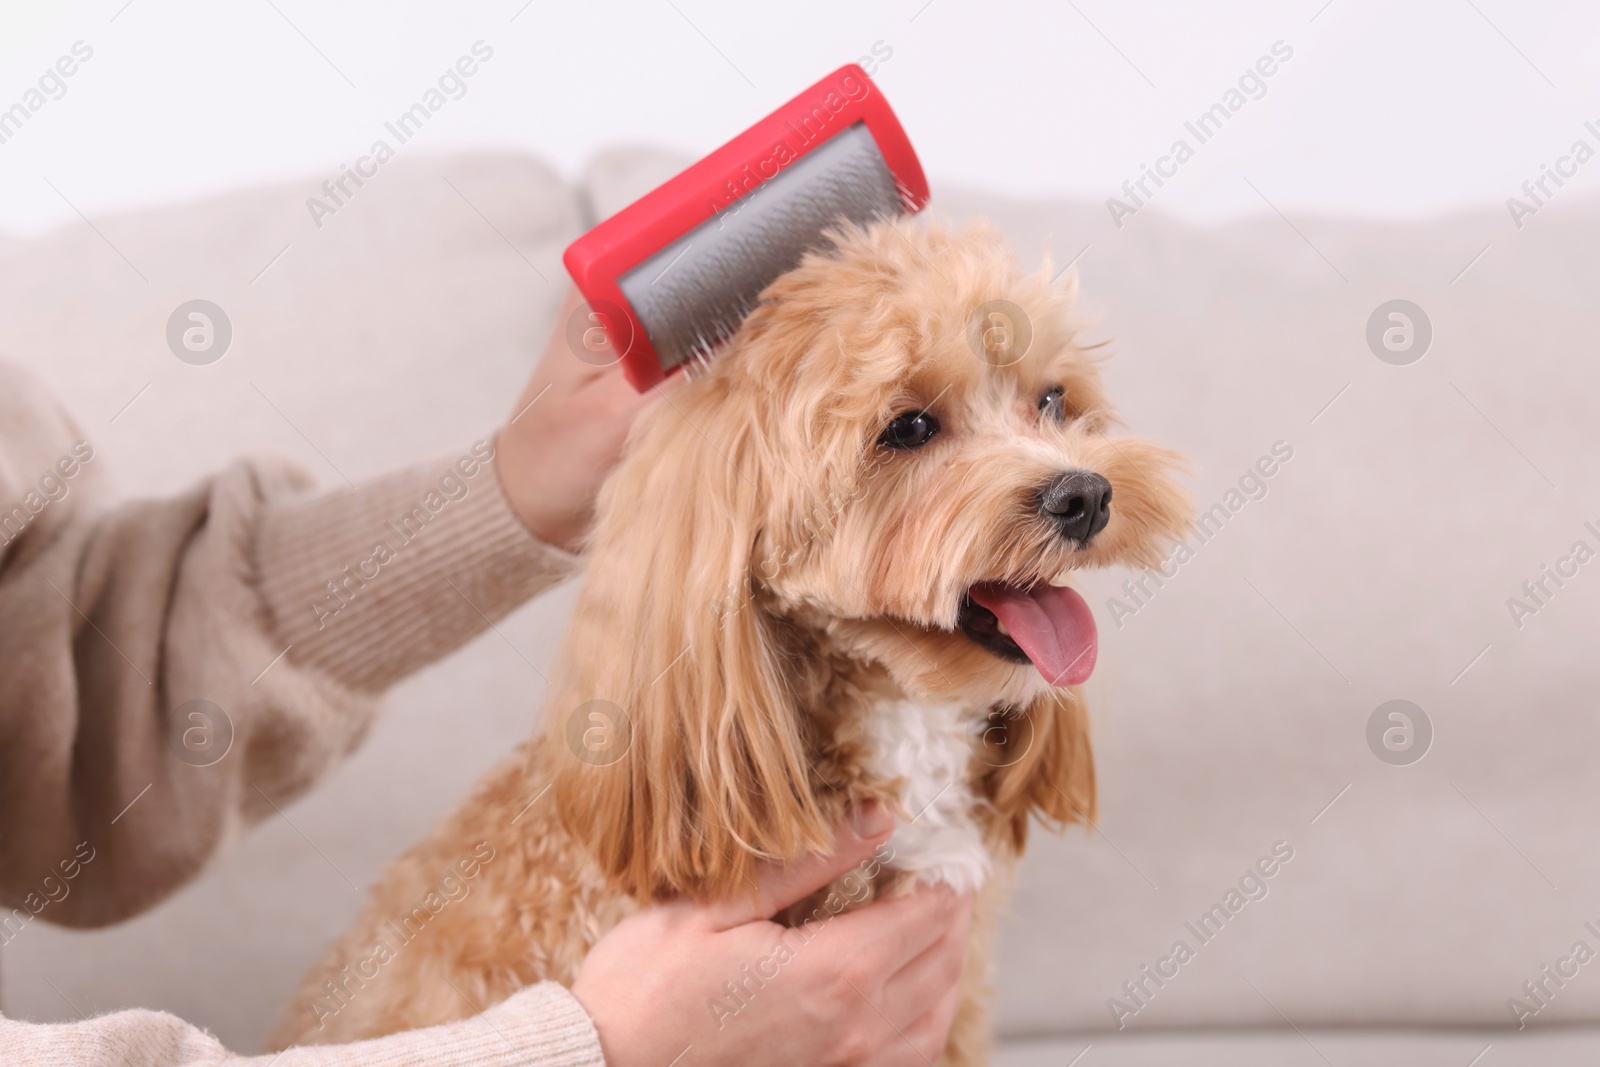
(929, 748)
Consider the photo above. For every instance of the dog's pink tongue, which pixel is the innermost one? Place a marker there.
(1051, 624)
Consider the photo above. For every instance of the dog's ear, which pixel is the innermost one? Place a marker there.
(679, 760)
(1038, 761)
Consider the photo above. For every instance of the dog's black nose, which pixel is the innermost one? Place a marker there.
(1079, 502)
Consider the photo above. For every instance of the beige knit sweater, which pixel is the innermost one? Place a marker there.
(284, 612)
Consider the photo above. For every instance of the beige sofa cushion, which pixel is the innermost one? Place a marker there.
(1575, 1047)
(1230, 709)
(1234, 706)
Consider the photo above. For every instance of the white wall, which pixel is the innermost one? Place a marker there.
(1391, 109)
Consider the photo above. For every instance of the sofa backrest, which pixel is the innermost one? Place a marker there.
(1406, 505)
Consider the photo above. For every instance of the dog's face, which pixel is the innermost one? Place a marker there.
(935, 450)
(895, 465)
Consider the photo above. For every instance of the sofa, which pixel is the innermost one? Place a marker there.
(1345, 743)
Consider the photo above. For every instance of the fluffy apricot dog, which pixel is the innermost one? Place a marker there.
(833, 566)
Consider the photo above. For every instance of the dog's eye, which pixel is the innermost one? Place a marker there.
(911, 430)
(1054, 403)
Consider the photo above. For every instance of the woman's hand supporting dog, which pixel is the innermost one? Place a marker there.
(875, 986)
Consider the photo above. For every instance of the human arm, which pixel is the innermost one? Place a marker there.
(284, 609)
(541, 1026)
(876, 986)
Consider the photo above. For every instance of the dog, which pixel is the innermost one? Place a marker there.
(831, 567)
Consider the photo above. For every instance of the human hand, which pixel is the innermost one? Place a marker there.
(564, 435)
(875, 986)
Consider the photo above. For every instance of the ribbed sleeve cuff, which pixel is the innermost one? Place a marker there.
(370, 584)
(548, 1026)
(542, 1026)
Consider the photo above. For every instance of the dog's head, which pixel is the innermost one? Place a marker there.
(891, 470)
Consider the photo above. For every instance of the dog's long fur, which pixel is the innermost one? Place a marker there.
(771, 600)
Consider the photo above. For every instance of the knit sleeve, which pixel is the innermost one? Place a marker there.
(170, 670)
(541, 1026)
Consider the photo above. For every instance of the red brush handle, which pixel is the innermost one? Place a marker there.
(599, 258)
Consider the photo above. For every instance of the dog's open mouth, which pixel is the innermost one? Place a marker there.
(1046, 625)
